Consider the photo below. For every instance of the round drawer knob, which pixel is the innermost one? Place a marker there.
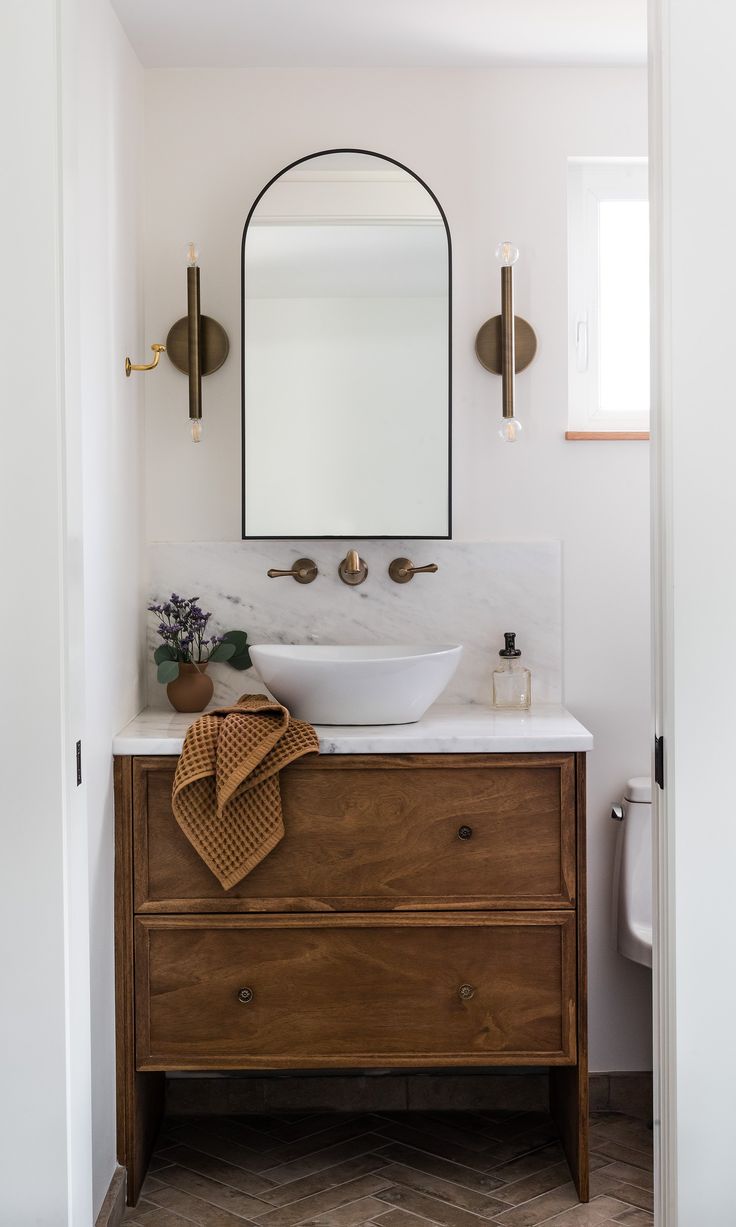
(465, 832)
(245, 995)
(465, 992)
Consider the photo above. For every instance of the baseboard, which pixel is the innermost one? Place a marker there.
(230, 1094)
(623, 1092)
(113, 1207)
(381, 1092)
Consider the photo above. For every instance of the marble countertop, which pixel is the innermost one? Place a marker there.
(446, 729)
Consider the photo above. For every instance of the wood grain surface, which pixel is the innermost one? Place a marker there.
(139, 1097)
(363, 990)
(429, 835)
(569, 1088)
(401, 879)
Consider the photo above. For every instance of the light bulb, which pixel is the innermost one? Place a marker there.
(196, 424)
(509, 430)
(507, 254)
(192, 254)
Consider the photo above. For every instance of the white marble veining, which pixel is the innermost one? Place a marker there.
(481, 590)
(446, 729)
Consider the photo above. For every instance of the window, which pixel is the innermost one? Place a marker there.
(608, 271)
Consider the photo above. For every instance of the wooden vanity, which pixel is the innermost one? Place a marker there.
(424, 910)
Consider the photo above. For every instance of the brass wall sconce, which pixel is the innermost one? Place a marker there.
(158, 350)
(506, 343)
(197, 345)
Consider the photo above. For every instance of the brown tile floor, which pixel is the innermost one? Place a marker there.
(396, 1169)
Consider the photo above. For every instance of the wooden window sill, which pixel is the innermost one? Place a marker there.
(584, 435)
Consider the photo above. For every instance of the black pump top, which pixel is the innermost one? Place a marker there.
(511, 649)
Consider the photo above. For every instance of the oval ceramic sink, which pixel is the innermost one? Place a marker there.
(356, 685)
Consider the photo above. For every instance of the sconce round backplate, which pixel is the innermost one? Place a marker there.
(488, 344)
(215, 346)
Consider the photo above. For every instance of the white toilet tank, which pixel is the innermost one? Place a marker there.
(632, 882)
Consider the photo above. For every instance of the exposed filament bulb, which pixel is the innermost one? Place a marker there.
(507, 253)
(509, 430)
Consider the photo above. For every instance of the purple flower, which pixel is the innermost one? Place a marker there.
(182, 626)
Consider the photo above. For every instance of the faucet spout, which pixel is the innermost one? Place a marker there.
(352, 570)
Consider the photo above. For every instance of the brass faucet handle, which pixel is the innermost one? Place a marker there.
(402, 570)
(303, 571)
(352, 570)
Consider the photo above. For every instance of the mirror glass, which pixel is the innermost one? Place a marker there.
(346, 353)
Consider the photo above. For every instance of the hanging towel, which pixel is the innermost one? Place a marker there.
(226, 796)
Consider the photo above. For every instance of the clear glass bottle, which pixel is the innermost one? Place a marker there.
(512, 682)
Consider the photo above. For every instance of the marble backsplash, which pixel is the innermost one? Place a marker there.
(480, 591)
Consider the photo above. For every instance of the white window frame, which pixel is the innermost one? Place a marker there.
(590, 181)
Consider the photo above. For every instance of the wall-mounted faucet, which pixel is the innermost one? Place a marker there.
(402, 570)
(303, 571)
(352, 570)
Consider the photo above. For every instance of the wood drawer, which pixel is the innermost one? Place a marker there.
(377, 833)
(355, 991)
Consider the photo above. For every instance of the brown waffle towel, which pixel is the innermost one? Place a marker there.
(227, 798)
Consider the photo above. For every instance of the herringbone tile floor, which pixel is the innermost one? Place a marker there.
(396, 1169)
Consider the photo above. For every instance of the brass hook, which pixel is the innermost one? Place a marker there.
(158, 350)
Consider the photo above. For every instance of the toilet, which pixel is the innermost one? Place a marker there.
(632, 879)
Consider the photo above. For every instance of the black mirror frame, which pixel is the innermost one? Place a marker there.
(352, 537)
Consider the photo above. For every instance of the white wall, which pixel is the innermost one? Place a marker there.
(38, 807)
(103, 139)
(493, 146)
(71, 486)
(695, 182)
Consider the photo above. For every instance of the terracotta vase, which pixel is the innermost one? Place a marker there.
(192, 689)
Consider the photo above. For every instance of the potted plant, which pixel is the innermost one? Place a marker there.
(186, 650)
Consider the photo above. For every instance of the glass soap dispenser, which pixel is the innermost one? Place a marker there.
(512, 682)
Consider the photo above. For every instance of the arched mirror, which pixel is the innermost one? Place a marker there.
(346, 353)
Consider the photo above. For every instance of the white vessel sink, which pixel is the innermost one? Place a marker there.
(356, 685)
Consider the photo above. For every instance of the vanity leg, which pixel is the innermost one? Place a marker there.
(568, 1085)
(140, 1097)
(568, 1097)
(140, 1109)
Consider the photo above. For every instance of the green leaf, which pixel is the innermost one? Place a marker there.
(241, 660)
(239, 638)
(223, 651)
(164, 652)
(168, 671)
